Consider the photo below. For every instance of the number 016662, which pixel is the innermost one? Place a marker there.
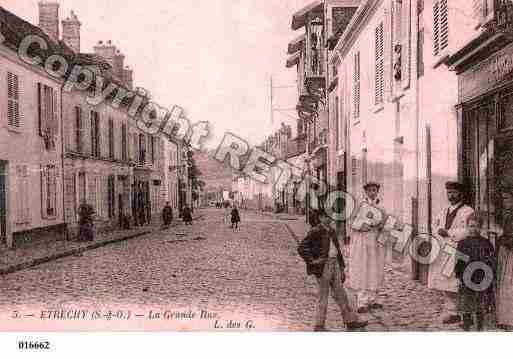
(27, 345)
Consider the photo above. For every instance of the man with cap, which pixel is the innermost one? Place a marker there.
(450, 227)
(367, 255)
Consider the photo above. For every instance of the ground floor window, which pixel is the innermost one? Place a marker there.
(111, 195)
(487, 158)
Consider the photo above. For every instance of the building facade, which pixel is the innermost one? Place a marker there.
(483, 65)
(31, 187)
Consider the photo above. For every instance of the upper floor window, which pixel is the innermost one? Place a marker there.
(78, 128)
(13, 100)
(124, 143)
(142, 148)
(47, 110)
(379, 65)
(440, 26)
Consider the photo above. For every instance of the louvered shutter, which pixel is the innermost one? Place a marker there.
(388, 39)
(444, 24)
(478, 7)
(78, 129)
(436, 28)
(26, 196)
(379, 64)
(98, 195)
(44, 191)
(52, 189)
(13, 98)
(406, 43)
(22, 191)
(356, 85)
(55, 123)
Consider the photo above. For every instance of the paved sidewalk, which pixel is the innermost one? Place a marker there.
(13, 260)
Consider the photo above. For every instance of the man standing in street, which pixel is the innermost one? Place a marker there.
(450, 228)
(321, 252)
(167, 215)
(367, 258)
(187, 215)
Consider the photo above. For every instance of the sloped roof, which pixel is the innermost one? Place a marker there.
(296, 44)
(293, 60)
(299, 18)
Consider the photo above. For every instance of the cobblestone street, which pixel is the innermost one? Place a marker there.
(249, 275)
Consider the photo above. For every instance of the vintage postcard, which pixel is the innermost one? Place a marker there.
(256, 166)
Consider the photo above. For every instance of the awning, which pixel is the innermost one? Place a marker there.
(299, 18)
(293, 60)
(296, 44)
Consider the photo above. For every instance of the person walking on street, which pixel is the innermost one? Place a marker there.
(235, 217)
(505, 262)
(367, 254)
(167, 215)
(451, 228)
(475, 271)
(187, 215)
(321, 252)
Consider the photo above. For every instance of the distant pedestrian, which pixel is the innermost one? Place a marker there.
(167, 215)
(187, 216)
(475, 270)
(235, 217)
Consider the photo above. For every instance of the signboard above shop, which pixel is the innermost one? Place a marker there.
(486, 75)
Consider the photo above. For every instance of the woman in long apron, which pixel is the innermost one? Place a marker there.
(505, 263)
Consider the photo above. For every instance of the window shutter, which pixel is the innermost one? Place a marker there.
(478, 8)
(55, 124)
(98, 204)
(388, 39)
(356, 89)
(52, 191)
(378, 85)
(78, 128)
(406, 43)
(111, 138)
(91, 191)
(436, 29)
(22, 191)
(26, 195)
(444, 24)
(13, 97)
(44, 191)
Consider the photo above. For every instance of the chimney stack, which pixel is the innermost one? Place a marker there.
(49, 18)
(119, 65)
(128, 78)
(71, 32)
(107, 51)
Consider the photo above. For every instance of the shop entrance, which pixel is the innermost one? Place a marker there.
(487, 161)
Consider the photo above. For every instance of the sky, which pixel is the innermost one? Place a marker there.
(214, 58)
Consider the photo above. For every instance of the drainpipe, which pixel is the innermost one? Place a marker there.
(66, 232)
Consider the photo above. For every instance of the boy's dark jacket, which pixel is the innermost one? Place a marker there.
(316, 245)
(476, 249)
